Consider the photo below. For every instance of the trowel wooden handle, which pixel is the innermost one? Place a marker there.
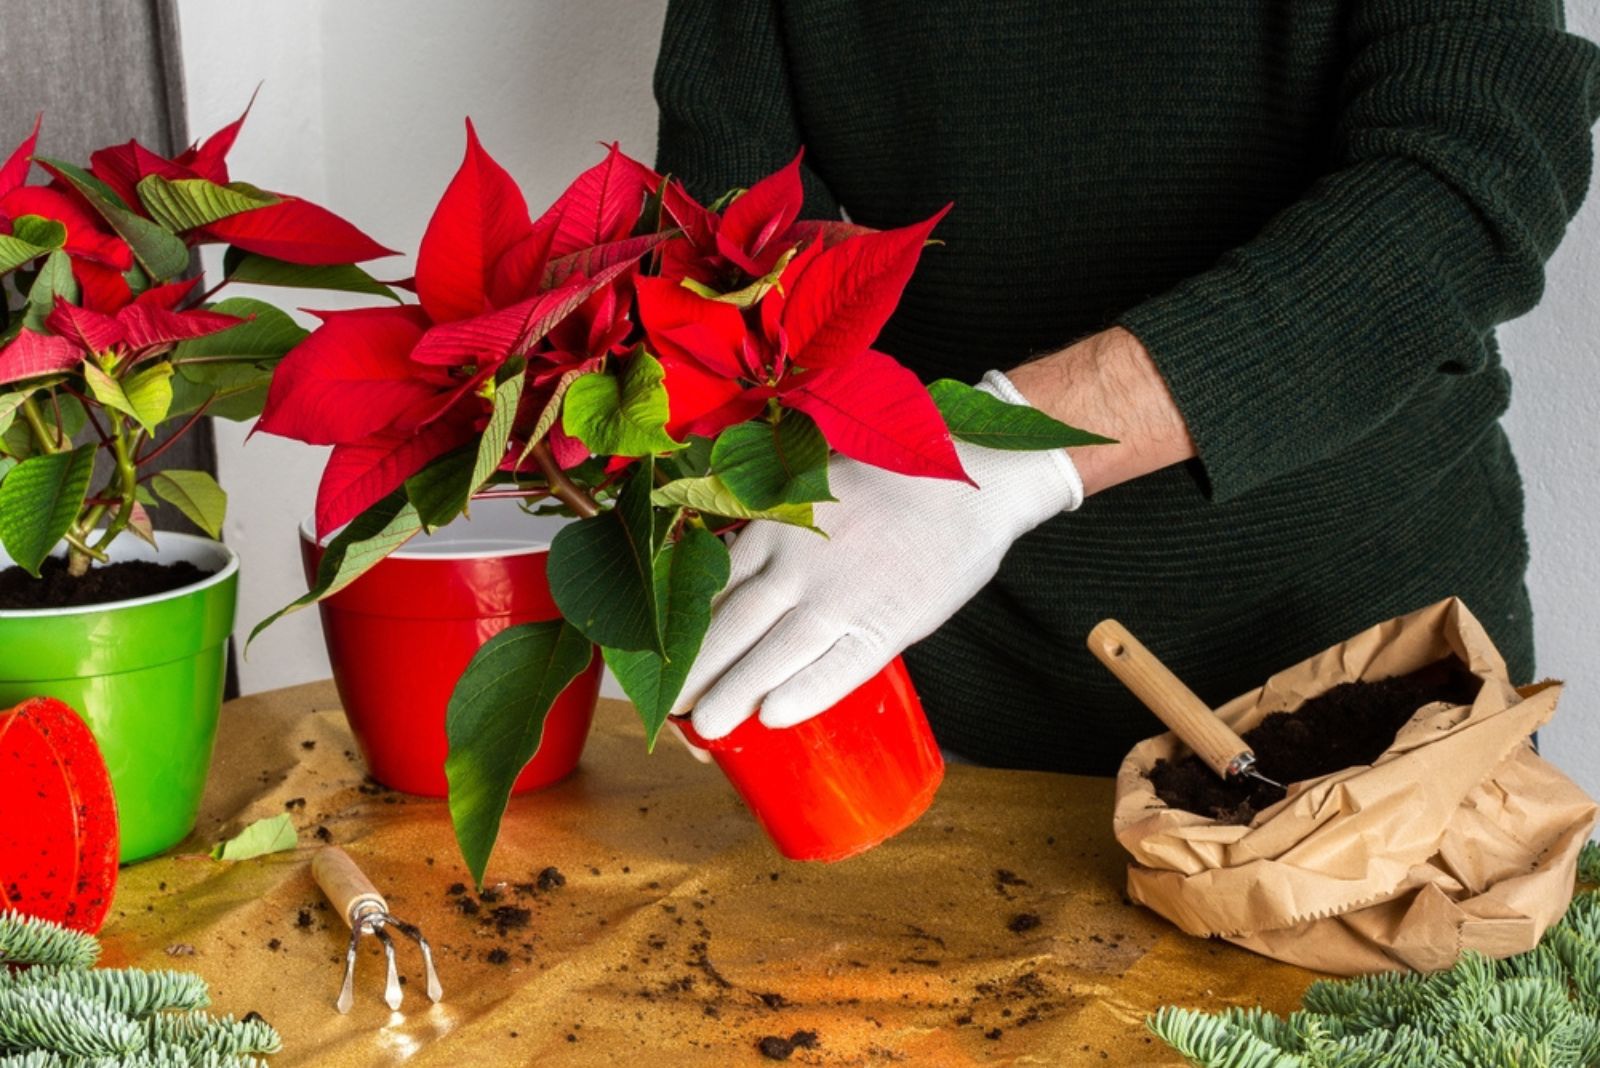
(1165, 694)
(346, 885)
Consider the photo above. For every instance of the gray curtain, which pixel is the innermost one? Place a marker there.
(102, 72)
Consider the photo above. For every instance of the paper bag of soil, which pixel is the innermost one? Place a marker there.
(1459, 836)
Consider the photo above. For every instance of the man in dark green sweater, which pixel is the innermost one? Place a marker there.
(1264, 244)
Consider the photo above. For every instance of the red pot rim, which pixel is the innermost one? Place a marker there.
(498, 514)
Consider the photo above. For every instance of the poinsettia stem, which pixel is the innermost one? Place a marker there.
(208, 294)
(124, 483)
(88, 411)
(30, 414)
(563, 488)
(188, 425)
(535, 494)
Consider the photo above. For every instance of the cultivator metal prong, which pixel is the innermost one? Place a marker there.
(413, 932)
(392, 994)
(365, 910)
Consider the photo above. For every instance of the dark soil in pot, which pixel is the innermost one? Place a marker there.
(54, 588)
(1351, 724)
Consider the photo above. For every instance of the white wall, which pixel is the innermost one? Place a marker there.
(1554, 423)
(361, 108)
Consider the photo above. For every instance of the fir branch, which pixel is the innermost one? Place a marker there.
(27, 940)
(131, 991)
(64, 1023)
(1537, 1008)
(197, 1033)
(1589, 863)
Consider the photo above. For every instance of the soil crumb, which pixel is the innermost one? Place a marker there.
(778, 1048)
(1023, 922)
(1351, 724)
(54, 588)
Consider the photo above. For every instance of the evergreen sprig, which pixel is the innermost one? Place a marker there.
(57, 1012)
(133, 992)
(1540, 1008)
(26, 940)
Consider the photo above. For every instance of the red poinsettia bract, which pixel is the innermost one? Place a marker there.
(291, 229)
(806, 343)
(147, 327)
(392, 389)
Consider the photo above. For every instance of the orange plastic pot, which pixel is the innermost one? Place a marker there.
(58, 819)
(843, 781)
(401, 635)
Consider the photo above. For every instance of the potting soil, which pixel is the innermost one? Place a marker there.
(122, 581)
(1351, 724)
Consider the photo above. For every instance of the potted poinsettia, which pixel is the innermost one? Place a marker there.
(111, 352)
(658, 372)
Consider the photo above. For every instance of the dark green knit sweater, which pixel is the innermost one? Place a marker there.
(1312, 212)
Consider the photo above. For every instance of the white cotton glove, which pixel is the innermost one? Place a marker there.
(805, 619)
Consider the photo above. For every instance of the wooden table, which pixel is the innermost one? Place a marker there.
(992, 932)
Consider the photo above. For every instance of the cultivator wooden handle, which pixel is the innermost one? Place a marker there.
(347, 886)
(1163, 693)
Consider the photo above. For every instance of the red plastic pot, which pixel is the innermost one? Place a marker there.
(58, 819)
(401, 635)
(843, 781)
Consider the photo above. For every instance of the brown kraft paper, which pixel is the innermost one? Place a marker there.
(1459, 837)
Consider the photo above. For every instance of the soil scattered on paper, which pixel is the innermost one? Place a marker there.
(1349, 725)
(54, 588)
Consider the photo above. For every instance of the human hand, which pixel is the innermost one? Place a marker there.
(805, 619)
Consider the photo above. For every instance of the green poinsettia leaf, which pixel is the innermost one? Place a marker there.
(439, 491)
(160, 252)
(40, 500)
(9, 403)
(275, 834)
(770, 464)
(184, 204)
(266, 335)
(195, 494)
(53, 280)
(231, 369)
(986, 420)
(601, 572)
(18, 439)
(31, 237)
(443, 494)
(622, 415)
(689, 573)
(354, 551)
(258, 270)
(145, 395)
(709, 495)
(495, 721)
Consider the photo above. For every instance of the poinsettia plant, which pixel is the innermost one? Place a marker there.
(111, 346)
(660, 370)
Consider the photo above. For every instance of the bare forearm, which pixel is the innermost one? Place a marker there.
(1107, 383)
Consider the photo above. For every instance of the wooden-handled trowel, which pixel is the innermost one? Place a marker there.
(1163, 693)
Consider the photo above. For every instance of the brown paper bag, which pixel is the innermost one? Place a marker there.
(1458, 837)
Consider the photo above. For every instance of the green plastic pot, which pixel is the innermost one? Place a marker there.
(146, 674)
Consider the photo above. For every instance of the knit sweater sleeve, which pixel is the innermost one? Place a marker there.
(727, 107)
(1461, 151)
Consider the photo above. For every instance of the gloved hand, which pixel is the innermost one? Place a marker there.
(805, 619)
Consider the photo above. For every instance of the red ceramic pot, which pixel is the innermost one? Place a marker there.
(843, 781)
(58, 819)
(401, 635)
